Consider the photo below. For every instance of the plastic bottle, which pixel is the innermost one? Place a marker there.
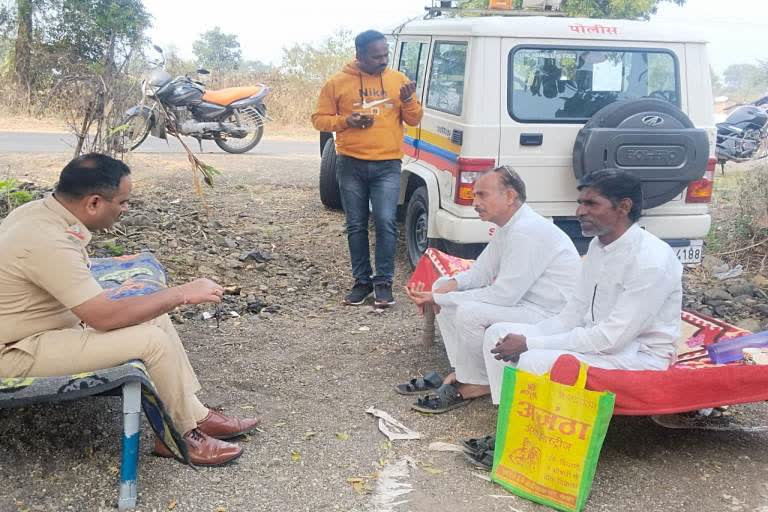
(730, 350)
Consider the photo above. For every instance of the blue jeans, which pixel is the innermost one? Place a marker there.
(361, 181)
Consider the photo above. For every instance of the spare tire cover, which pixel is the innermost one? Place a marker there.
(649, 138)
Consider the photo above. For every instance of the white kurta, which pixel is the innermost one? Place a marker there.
(624, 314)
(525, 274)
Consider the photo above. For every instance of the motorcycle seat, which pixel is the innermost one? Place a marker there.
(231, 94)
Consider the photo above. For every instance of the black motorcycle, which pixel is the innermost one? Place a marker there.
(233, 118)
(744, 134)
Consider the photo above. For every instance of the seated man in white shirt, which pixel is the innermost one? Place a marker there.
(526, 273)
(625, 313)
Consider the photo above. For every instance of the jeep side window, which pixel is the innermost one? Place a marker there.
(571, 84)
(446, 78)
(413, 62)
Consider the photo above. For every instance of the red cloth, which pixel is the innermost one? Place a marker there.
(679, 389)
(693, 382)
(435, 264)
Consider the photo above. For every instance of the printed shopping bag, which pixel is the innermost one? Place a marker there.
(548, 438)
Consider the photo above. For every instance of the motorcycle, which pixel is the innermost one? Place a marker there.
(743, 135)
(233, 117)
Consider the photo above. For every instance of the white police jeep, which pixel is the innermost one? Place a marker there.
(555, 98)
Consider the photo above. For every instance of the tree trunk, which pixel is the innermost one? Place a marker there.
(23, 48)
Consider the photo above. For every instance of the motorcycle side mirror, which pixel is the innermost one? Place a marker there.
(203, 71)
(158, 49)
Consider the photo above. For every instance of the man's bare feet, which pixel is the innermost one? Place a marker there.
(473, 390)
(450, 379)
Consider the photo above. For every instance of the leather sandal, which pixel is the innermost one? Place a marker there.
(420, 385)
(445, 398)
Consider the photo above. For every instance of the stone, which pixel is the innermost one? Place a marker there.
(723, 310)
(230, 243)
(750, 324)
(763, 308)
(760, 281)
(716, 294)
(711, 262)
(137, 221)
(747, 300)
(741, 289)
(205, 271)
(255, 306)
(706, 311)
(255, 255)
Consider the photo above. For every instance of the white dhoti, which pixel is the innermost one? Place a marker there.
(539, 361)
(462, 326)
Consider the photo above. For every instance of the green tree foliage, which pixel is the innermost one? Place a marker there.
(218, 51)
(622, 9)
(746, 81)
(49, 39)
(314, 63)
(95, 29)
(717, 83)
(23, 47)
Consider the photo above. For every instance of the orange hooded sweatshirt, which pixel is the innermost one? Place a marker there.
(353, 90)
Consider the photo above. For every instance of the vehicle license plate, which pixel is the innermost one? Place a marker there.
(692, 253)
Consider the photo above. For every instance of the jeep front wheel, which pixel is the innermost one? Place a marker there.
(417, 224)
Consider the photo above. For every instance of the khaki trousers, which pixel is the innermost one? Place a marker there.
(156, 343)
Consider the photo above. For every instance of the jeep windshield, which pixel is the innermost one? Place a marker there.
(567, 84)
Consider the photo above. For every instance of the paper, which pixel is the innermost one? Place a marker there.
(439, 446)
(607, 76)
(392, 428)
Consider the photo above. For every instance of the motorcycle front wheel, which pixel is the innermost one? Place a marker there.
(248, 118)
(135, 131)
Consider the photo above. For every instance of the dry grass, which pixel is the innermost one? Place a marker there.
(740, 216)
(289, 106)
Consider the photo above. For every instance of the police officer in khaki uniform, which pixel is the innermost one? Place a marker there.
(55, 319)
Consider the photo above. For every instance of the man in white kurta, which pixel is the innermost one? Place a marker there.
(625, 313)
(526, 273)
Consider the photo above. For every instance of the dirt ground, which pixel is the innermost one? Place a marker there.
(312, 366)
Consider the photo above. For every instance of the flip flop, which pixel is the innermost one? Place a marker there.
(445, 398)
(420, 385)
(483, 459)
(478, 444)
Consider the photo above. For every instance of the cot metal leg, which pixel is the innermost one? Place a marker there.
(129, 462)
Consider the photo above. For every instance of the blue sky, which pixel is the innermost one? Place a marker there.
(737, 29)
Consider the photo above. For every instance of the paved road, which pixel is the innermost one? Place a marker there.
(36, 142)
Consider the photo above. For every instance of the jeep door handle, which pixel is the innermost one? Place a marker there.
(531, 139)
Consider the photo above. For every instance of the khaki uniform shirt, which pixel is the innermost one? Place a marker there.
(44, 272)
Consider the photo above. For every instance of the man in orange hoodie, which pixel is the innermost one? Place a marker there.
(366, 104)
